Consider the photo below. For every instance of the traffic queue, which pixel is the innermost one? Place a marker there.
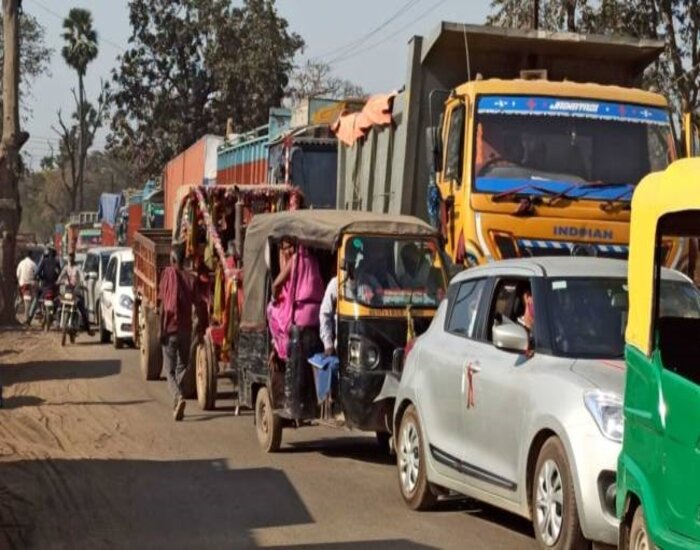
(561, 389)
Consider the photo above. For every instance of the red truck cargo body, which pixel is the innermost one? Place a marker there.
(196, 165)
(243, 174)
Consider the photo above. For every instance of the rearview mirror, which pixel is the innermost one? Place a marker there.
(108, 286)
(91, 275)
(620, 300)
(511, 337)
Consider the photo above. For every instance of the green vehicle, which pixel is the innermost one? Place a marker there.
(658, 475)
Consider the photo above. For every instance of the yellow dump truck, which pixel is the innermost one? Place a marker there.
(534, 140)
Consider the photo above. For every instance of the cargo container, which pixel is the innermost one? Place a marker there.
(512, 142)
(296, 147)
(194, 166)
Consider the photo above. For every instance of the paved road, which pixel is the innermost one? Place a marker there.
(91, 458)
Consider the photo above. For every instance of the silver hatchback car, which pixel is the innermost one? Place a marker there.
(514, 394)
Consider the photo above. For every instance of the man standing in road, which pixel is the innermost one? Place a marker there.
(176, 298)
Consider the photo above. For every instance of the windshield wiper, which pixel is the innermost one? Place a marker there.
(515, 191)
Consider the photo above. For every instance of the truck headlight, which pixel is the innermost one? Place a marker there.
(126, 302)
(606, 410)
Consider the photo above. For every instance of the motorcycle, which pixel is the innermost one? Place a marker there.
(49, 309)
(69, 316)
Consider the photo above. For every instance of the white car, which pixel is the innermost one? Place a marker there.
(94, 269)
(514, 394)
(116, 300)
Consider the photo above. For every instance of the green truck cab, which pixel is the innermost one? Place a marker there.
(658, 477)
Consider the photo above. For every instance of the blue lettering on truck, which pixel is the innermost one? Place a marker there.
(591, 233)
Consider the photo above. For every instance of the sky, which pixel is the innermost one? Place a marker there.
(364, 40)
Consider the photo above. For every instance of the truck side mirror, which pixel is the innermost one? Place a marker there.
(433, 139)
(691, 136)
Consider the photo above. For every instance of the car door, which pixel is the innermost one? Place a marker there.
(496, 418)
(91, 271)
(107, 296)
(442, 389)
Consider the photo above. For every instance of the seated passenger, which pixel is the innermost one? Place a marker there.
(416, 267)
(297, 292)
(527, 319)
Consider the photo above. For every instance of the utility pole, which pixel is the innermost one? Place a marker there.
(535, 14)
(10, 144)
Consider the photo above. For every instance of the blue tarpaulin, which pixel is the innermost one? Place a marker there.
(325, 370)
(108, 207)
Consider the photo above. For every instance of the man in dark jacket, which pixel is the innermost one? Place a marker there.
(177, 300)
(47, 275)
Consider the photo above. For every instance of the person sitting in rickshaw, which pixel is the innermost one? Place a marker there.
(416, 267)
(297, 292)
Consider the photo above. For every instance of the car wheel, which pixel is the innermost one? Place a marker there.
(104, 333)
(117, 342)
(267, 424)
(410, 460)
(554, 509)
(639, 536)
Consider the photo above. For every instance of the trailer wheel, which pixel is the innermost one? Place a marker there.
(267, 424)
(206, 374)
(151, 351)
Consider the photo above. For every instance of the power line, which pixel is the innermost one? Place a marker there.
(57, 15)
(341, 58)
(341, 50)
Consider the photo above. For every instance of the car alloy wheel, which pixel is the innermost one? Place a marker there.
(550, 502)
(409, 457)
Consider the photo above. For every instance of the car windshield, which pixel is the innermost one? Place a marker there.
(588, 316)
(393, 272)
(126, 274)
(589, 149)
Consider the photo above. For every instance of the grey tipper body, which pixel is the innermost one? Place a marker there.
(481, 413)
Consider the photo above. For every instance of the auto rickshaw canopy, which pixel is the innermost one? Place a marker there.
(321, 229)
(672, 191)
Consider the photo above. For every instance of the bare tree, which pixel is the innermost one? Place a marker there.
(316, 78)
(12, 141)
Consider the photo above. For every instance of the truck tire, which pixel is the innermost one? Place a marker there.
(206, 372)
(268, 425)
(151, 351)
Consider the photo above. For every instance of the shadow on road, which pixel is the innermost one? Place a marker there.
(36, 371)
(485, 512)
(17, 401)
(364, 449)
(142, 504)
(393, 544)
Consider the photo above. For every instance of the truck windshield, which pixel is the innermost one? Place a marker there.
(588, 316)
(393, 272)
(581, 148)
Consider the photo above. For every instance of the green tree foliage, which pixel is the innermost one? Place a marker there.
(676, 22)
(190, 66)
(79, 51)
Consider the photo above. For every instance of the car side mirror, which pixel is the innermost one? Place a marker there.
(108, 286)
(92, 275)
(511, 337)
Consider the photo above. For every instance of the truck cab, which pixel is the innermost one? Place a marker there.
(540, 167)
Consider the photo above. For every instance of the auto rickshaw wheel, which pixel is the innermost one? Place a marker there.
(639, 536)
(151, 351)
(206, 371)
(553, 500)
(267, 424)
(415, 488)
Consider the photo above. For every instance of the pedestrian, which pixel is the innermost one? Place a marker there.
(26, 271)
(177, 300)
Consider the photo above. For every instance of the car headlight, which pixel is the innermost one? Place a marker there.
(606, 410)
(126, 302)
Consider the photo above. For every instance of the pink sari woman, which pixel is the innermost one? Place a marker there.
(297, 294)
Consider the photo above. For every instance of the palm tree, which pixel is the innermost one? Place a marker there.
(79, 50)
